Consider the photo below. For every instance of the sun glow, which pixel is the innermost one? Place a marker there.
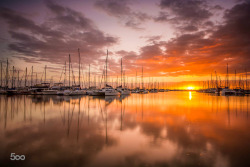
(190, 88)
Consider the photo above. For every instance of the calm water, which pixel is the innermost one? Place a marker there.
(162, 129)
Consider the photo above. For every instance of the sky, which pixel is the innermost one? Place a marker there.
(173, 40)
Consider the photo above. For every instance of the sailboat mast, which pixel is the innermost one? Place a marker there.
(95, 80)
(211, 80)
(1, 74)
(12, 83)
(7, 77)
(36, 77)
(65, 74)
(18, 83)
(227, 74)
(31, 83)
(121, 72)
(89, 75)
(79, 67)
(142, 77)
(45, 73)
(107, 68)
(246, 78)
(235, 79)
(124, 79)
(136, 80)
(25, 82)
(69, 70)
(216, 79)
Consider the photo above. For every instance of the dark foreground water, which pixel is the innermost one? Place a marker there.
(162, 129)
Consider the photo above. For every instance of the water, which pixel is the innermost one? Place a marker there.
(162, 129)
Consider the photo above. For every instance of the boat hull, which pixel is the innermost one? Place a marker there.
(112, 93)
(97, 93)
(125, 93)
(49, 92)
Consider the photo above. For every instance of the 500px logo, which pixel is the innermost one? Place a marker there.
(14, 157)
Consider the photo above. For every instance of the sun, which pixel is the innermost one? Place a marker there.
(190, 88)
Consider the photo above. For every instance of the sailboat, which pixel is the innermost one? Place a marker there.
(122, 89)
(143, 90)
(77, 89)
(92, 91)
(108, 90)
(74, 90)
(53, 90)
(226, 91)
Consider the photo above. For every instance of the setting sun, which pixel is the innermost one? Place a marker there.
(190, 88)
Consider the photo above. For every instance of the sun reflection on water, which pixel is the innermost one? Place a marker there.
(190, 95)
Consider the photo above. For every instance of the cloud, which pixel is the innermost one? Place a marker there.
(185, 15)
(57, 36)
(190, 28)
(16, 21)
(162, 17)
(217, 7)
(122, 11)
(66, 16)
(152, 39)
(191, 10)
(201, 52)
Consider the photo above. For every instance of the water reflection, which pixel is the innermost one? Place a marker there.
(190, 95)
(163, 129)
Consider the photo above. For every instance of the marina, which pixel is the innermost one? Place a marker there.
(122, 83)
(9, 85)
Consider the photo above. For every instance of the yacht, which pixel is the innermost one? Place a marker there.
(226, 91)
(239, 92)
(91, 90)
(161, 90)
(37, 89)
(133, 91)
(11, 91)
(60, 92)
(74, 92)
(53, 90)
(218, 90)
(143, 91)
(2, 91)
(98, 92)
(123, 91)
(111, 92)
(23, 91)
(136, 90)
(49, 92)
(153, 91)
(77, 92)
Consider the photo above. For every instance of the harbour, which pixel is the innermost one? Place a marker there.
(122, 83)
(13, 85)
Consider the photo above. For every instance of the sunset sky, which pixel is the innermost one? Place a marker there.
(173, 39)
